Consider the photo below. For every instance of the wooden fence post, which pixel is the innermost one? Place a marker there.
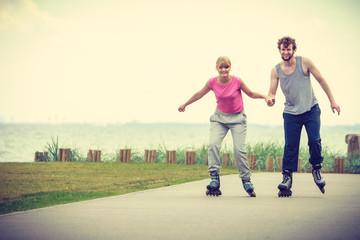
(339, 165)
(269, 163)
(125, 155)
(299, 165)
(121, 155)
(150, 156)
(190, 158)
(90, 156)
(252, 160)
(153, 156)
(226, 159)
(146, 156)
(171, 157)
(280, 163)
(41, 156)
(193, 158)
(97, 156)
(64, 155)
(128, 155)
(94, 156)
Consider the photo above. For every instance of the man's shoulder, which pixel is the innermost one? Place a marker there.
(305, 59)
(306, 62)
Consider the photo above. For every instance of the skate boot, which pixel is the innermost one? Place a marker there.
(249, 188)
(285, 185)
(318, 179)
(213, 189)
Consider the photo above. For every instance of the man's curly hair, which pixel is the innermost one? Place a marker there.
(287, 41)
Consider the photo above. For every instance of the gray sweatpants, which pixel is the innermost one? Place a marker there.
(220, 125)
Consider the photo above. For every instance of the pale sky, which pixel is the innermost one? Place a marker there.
(117, 61)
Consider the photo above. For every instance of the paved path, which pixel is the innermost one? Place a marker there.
(184, 212)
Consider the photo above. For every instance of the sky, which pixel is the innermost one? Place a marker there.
(108, 61)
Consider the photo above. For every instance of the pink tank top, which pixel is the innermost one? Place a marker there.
(228, 96)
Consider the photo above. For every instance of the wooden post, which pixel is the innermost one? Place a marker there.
(171, 157)
(146, 156)
(153, 156)
(128, 155)
(125, 155)
(269, 163)
(64, 155)
(90, 156)
(207, 160)
(41, 156)
(60, 155)
(339, 165)
(252, 160)
(190, 158)
(168, 157)
(299, 165)
(121, 155)
(280, 163)
(94, 156)
(226, 159)
(353, 141)
(150, 156)
(97, 157)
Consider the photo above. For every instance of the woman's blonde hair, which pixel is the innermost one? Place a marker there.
(223, 61)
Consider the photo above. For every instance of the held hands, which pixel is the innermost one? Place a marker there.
(270, 101)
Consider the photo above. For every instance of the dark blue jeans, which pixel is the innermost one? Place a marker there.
(292, 126)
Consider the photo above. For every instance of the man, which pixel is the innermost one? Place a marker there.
(301, 109)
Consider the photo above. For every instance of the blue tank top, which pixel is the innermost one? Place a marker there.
(297, 89)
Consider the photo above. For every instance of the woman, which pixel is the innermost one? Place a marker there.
(229, 115)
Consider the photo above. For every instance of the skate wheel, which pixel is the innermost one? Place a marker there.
(285, 193)
(213, 193)
(252, 194)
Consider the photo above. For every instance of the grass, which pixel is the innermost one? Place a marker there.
(25, 186)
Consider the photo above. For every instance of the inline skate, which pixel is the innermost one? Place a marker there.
(318, 179)
(213, 189)
(286, 184)
(249, 187)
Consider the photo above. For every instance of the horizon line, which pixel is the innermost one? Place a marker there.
(134, 123)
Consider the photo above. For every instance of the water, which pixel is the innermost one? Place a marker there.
(19, 142)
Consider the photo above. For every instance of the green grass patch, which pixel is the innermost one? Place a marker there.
(25, 186)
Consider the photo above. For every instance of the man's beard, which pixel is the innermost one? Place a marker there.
(288, 58)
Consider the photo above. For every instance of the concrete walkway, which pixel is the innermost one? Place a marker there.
(184, 212)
